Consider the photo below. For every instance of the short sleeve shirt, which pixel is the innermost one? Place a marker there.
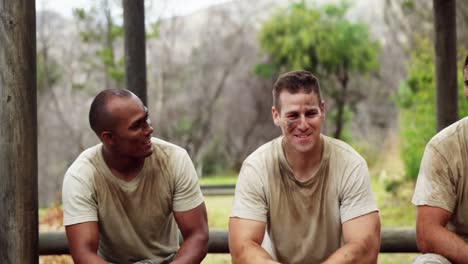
(443, 175)
(135, 218)
(304, 219)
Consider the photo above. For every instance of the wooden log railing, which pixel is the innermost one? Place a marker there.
(394, 240)
(211, 190)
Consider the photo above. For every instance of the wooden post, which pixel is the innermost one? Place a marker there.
(18, 133)
(135, 53)
(445, 51)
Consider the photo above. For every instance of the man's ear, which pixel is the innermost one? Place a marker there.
(276, 115)
(107, 138)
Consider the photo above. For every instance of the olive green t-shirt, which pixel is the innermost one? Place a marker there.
(304, 219)
(443, 175)
(135, 218)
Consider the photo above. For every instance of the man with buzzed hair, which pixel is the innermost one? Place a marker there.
(311, 193)
(123, 199)
(441, 194)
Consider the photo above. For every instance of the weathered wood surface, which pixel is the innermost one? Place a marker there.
(445, 51)
(398, 240)
(393, 240)
(18, 132)
(208, 190)
(135, 48)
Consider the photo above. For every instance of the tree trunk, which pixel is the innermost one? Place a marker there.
(340, 104)
(445, 49)
(135, 56)
(108, 44)
(18, 133)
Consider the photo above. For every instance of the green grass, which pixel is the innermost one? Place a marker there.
(42, 213)
(395, 207)
(220, 179)
(219, 208)
(395, 210)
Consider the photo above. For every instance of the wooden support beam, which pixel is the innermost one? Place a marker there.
(445, 56)
(135, 48)
(212, 190)
(398, 240)
(18, 132)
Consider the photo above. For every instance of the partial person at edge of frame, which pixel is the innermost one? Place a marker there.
(441, 194)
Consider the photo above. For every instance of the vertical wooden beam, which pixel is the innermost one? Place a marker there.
(445, 51)
(135, 53)
(18, 133)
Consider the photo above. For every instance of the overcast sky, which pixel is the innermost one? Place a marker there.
(170, 7)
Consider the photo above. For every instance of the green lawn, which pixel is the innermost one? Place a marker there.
(220, 179)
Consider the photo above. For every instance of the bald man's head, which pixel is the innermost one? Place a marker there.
(100, 118)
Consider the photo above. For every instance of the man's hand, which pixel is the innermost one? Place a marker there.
(83, 240)
(433, 237)
(245, 239)
(361, 236)
(193, 225)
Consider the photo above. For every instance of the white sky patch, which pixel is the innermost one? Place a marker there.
(164, 8)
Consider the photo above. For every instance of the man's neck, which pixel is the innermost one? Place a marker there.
(122, 167)
(303, 164)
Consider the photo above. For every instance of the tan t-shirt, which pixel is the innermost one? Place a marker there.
(443, 175)
(135, 218)
(304, 219)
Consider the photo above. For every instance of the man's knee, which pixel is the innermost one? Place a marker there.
(430, 259)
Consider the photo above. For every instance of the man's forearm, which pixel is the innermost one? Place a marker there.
(88, 258)
(441, 241)
(252, 252)
(193, 249)
(354, 252)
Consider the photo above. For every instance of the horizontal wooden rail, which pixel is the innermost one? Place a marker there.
(394, 240)
(211, 190)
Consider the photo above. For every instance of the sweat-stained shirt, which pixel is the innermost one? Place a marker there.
(304, 219)
(135, 218)
(443, 175)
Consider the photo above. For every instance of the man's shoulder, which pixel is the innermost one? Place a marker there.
(263, 152)
(85, 163)
(168, 147)
(450, 136)
(83, 170)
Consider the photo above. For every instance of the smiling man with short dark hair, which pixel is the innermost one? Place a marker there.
(309, 192)
(124, 199)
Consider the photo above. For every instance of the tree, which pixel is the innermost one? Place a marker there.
(18, 133)
(408, 20)
(322, 41)
(416, 100)
(203, 81)
(98, 30)
(207, 97)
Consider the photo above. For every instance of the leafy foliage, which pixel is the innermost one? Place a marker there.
(416, 100)
(320, 40)
(100, 30)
